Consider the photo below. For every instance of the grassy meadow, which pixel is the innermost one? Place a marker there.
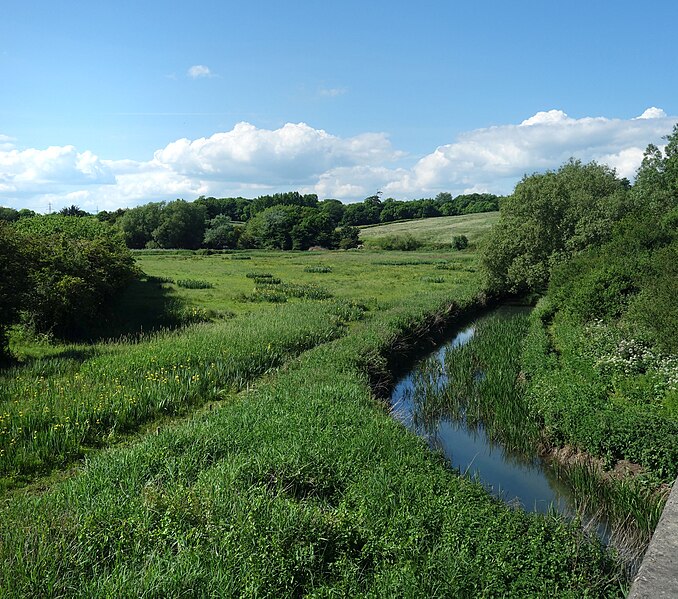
(434, 231)
(256, 460)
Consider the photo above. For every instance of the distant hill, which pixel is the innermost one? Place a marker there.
(433, 231)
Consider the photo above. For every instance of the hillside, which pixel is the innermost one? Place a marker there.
(434, 231)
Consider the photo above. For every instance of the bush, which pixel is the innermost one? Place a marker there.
(71, 270)
(460, 242)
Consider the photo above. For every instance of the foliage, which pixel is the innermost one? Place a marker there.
(348, 237)
(460, 242)
(220, 233)
(405, 242)
(299, 487)
(8, 214)
(549, 218)
(182, 225)
(71, 270)
(73, 210)
(138, 224)
(289, 227)
(13, 281)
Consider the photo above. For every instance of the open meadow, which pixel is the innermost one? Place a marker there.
(245, 454)
(434, 231)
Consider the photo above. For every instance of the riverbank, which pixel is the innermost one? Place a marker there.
(302, 485)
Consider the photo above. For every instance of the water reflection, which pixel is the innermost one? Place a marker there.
(420, 402)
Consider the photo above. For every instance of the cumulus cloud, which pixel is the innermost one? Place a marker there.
(294, 154)
(198, 71)
(496, 157)
(250, 161)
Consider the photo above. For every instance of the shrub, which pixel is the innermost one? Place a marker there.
(460, 242)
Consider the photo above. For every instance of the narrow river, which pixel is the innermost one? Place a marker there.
(525, 481)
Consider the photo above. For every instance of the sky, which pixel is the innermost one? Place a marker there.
(116, 104)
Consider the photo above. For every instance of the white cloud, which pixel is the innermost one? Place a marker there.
(652, 113)
(6, 142)
(332, 92)
(496, 157)
(251, 161)
(198, 71)
(292, 155)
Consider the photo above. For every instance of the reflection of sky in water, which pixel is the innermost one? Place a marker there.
(514, 478)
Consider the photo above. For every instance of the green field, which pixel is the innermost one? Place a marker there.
(435, 231)
(246, 455)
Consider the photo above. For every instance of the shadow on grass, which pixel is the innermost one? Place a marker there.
(146, 305)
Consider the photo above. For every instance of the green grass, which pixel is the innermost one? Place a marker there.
(377, 279)
(53, 409)
(485, 388)
(434, 231)
(297, 482)
(303, 486)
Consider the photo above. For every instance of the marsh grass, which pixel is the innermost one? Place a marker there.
(319, 268)
(480, 384)
(194, 284)
(53, 408)
(301, 487)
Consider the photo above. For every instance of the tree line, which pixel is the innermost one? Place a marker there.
(279, 221)
(598, 247)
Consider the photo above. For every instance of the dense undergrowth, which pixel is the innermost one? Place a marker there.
(303, 486)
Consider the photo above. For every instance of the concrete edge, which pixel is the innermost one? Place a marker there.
(657, 577)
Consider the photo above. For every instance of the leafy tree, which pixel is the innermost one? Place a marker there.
(8, 214)
(348, 237)
(71, 270)
(334, 210)
(138, 224)
(221, 234)
(289, 227)
(13, 281)
(549, 218)
(182, 225)
(73, 210)
(291, 198)
(111, 217)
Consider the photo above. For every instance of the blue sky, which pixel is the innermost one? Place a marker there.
(116, 104)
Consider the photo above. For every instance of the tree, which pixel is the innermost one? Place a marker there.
(182, 225)
(8, 214)
(221, 234)
(71, 269)
(73, 210)
(138, 224)
(348, 237)
(13, 281)
(550, 217)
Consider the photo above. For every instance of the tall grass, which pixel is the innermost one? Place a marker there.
(481, 384)
(302, 487)
(51, 409)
